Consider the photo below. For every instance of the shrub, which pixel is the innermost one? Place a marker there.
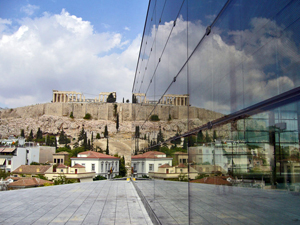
(154, 117)
(71, 115)
(87, 116)
(99, 177)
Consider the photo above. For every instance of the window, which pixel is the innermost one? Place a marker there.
(83, 164)
(9, 162)
(62, 161)
(101, 167)
(54, 160)
(93, 167)
(61, 170)
(151, 167)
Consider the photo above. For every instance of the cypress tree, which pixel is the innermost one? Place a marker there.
(107, 149)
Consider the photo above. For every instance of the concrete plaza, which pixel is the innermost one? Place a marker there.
(170, 202)
(99, 202)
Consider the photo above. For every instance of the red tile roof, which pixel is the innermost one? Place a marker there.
(78, 166)
(92, 154)
(165, 166)
(61, 166)
(149, 155)
(32, 169)
(181, 165)
(29, 182)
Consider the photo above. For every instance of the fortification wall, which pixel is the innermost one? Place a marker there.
(105, 111)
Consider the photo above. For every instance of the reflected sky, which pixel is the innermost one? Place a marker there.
(249, 56)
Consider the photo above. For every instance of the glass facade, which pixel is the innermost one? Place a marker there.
(217, 89)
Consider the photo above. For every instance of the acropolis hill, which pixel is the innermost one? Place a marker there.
(52, 117)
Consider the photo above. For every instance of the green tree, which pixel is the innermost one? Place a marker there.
(111, 98)
(81, 134)
(154, 117)
(87, 116)
(117, 122)
(160, 137)
(215, 135)
(122, 168)
(207, 138)
(177, 140)
(92, 141)
(200, 137)
(105, 132)
(84, 144)
(3, 174)
(63, 139)
(71, 115)
(30, 137)
(22, 133)
(115, 110)
(39, 135)
(98, 136)
(134, 99)
(89, 146)
(50, 140)
(107, 148)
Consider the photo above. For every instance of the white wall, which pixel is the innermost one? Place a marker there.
(98, 170)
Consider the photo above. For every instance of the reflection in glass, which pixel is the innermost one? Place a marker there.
(217, 88)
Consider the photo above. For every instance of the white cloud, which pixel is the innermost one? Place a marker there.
(264, 67)
(61, 52)
(29, 9)
(127, 28)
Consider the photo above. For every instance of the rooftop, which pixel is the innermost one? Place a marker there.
(92, 154)
(150, 155)
(31, 169)
(98, 202)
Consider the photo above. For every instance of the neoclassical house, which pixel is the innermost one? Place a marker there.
(102, 164)
(148, 162)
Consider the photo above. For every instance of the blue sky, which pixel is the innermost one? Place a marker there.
(86, 46)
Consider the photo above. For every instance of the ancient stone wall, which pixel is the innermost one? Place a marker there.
(105, 111)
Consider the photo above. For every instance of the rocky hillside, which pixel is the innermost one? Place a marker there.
(52, 118)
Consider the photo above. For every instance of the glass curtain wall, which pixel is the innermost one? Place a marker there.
(216, 93)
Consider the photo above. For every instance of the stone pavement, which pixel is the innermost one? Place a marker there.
(213, 204)
(100, 202)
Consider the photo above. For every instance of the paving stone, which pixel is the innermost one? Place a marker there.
(101, 202)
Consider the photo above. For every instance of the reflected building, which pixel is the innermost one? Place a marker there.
(239, 61)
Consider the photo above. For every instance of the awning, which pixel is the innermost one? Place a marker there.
(8, 149)
(2, 161)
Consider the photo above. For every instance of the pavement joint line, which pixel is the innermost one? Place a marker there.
(91, 192)
(35, 210)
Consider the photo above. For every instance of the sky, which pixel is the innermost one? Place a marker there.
(83, 46)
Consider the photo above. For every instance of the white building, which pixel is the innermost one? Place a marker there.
(13, 157)
(104, 165)
(148, 162)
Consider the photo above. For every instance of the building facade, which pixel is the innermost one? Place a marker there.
(150, 161)
(238, 60)
(102, 164)
(13, 157)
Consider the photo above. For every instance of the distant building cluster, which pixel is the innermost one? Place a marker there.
(72, 96)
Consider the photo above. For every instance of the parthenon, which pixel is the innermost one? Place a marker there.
(182, 100)
(177, 100)
(72, 96)
(67, 96)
